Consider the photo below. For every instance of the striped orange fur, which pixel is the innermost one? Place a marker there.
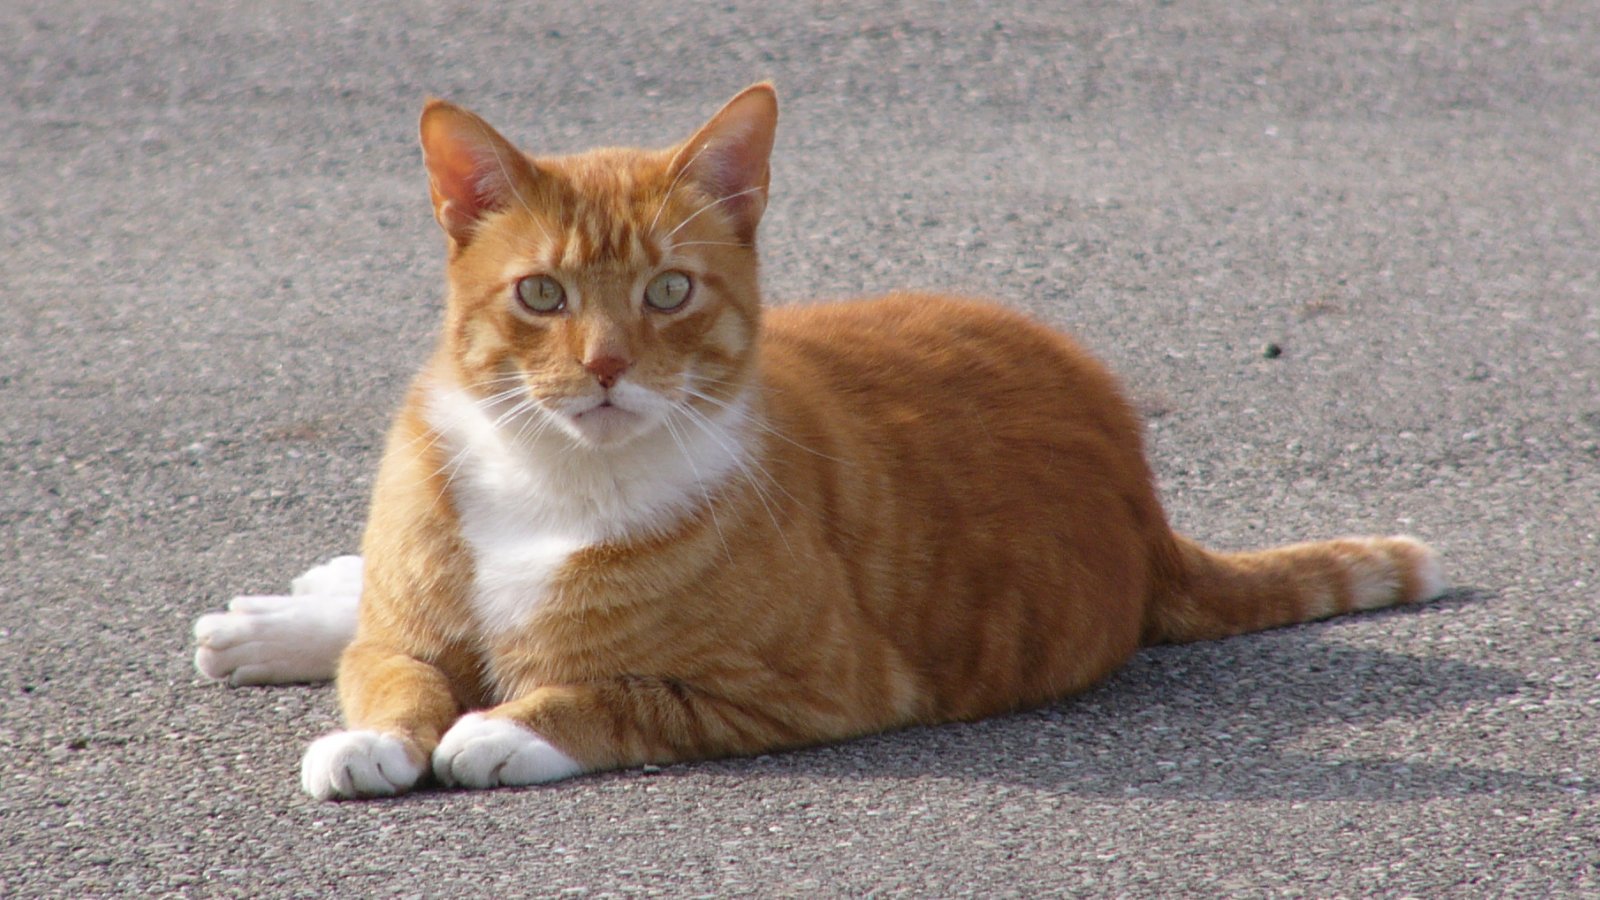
(608, 533)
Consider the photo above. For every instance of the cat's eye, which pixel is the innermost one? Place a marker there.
(667, 291)
(541, 294)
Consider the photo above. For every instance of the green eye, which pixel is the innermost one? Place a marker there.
(541, 294)
(667, 291)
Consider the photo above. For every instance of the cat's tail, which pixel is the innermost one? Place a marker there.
(1215, 595)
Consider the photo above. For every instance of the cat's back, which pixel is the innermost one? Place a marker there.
(946, 363)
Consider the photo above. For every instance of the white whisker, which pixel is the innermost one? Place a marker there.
(710, 507)
(741, 244)
(744, 463)
(717, 202)
(759, 423)
(667, 195)
(525, 405)
(484, 403)
(538, 425)
(451, 468)
(453, 465)
(512, 378)
(506, 174)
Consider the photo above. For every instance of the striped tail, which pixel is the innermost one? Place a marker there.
(1222, 594)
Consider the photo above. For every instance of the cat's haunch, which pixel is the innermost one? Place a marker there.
(627, 516)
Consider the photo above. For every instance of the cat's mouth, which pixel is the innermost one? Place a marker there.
(606, 422)
(606, 406)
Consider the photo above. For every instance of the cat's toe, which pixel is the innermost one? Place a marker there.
(340, 575)
(254, 663)
(232, 664)
(210, 655)
(275, 640)
(481, 752)
(223, 643)
(347, 765)
(214, 629)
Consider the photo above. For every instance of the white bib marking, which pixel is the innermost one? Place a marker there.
(527, 504)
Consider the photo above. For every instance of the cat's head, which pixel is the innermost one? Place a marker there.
(603, 292)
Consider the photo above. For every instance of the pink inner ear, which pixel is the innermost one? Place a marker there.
(457, 173)
(737, 154)
(472, 168)
(729, 157)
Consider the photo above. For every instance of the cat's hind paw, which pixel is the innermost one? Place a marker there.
(275, 640)
(283, 640)
(340, 576)
(480, 752)
(347, 765)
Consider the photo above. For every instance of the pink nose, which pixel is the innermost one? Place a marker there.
(606, 369)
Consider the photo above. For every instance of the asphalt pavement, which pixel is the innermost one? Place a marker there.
(1346, 256)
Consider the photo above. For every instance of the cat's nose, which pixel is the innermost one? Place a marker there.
(606, 369)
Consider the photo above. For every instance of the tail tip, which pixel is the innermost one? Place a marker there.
(1424, 573)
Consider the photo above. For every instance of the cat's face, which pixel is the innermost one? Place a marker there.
(608, 294)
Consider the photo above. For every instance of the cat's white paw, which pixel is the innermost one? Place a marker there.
(275, 640)
(346, 765)
(480, 752)
(340, 576)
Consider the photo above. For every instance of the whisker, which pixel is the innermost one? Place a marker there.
(710, 507)
(700, 376)
(711, 244)
(675, 179)
(523, 408)
(744, 463)
(483, 405)
(758, 422)
(433, 436)
(512, 378)
(452, 467)
(717, 202)
(539, 425)
(526, 404)
(506, 174)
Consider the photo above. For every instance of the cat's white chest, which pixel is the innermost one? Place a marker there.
(525, 511)
(509, 517)
(516, 566)
(517, 546)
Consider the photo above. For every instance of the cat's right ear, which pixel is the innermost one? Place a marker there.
(472, 170)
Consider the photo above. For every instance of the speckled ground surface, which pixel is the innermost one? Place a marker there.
(219, 270)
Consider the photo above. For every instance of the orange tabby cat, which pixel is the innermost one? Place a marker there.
(625, 516)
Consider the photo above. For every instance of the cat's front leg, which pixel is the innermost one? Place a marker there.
(396, 706)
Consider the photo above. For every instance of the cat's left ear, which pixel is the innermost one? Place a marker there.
(729, 156)
(472, 170)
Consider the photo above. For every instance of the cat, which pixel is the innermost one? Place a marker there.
(626, 516)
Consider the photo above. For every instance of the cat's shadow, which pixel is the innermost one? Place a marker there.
(1282, 715)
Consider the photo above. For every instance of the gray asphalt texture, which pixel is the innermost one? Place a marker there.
(220, 270)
